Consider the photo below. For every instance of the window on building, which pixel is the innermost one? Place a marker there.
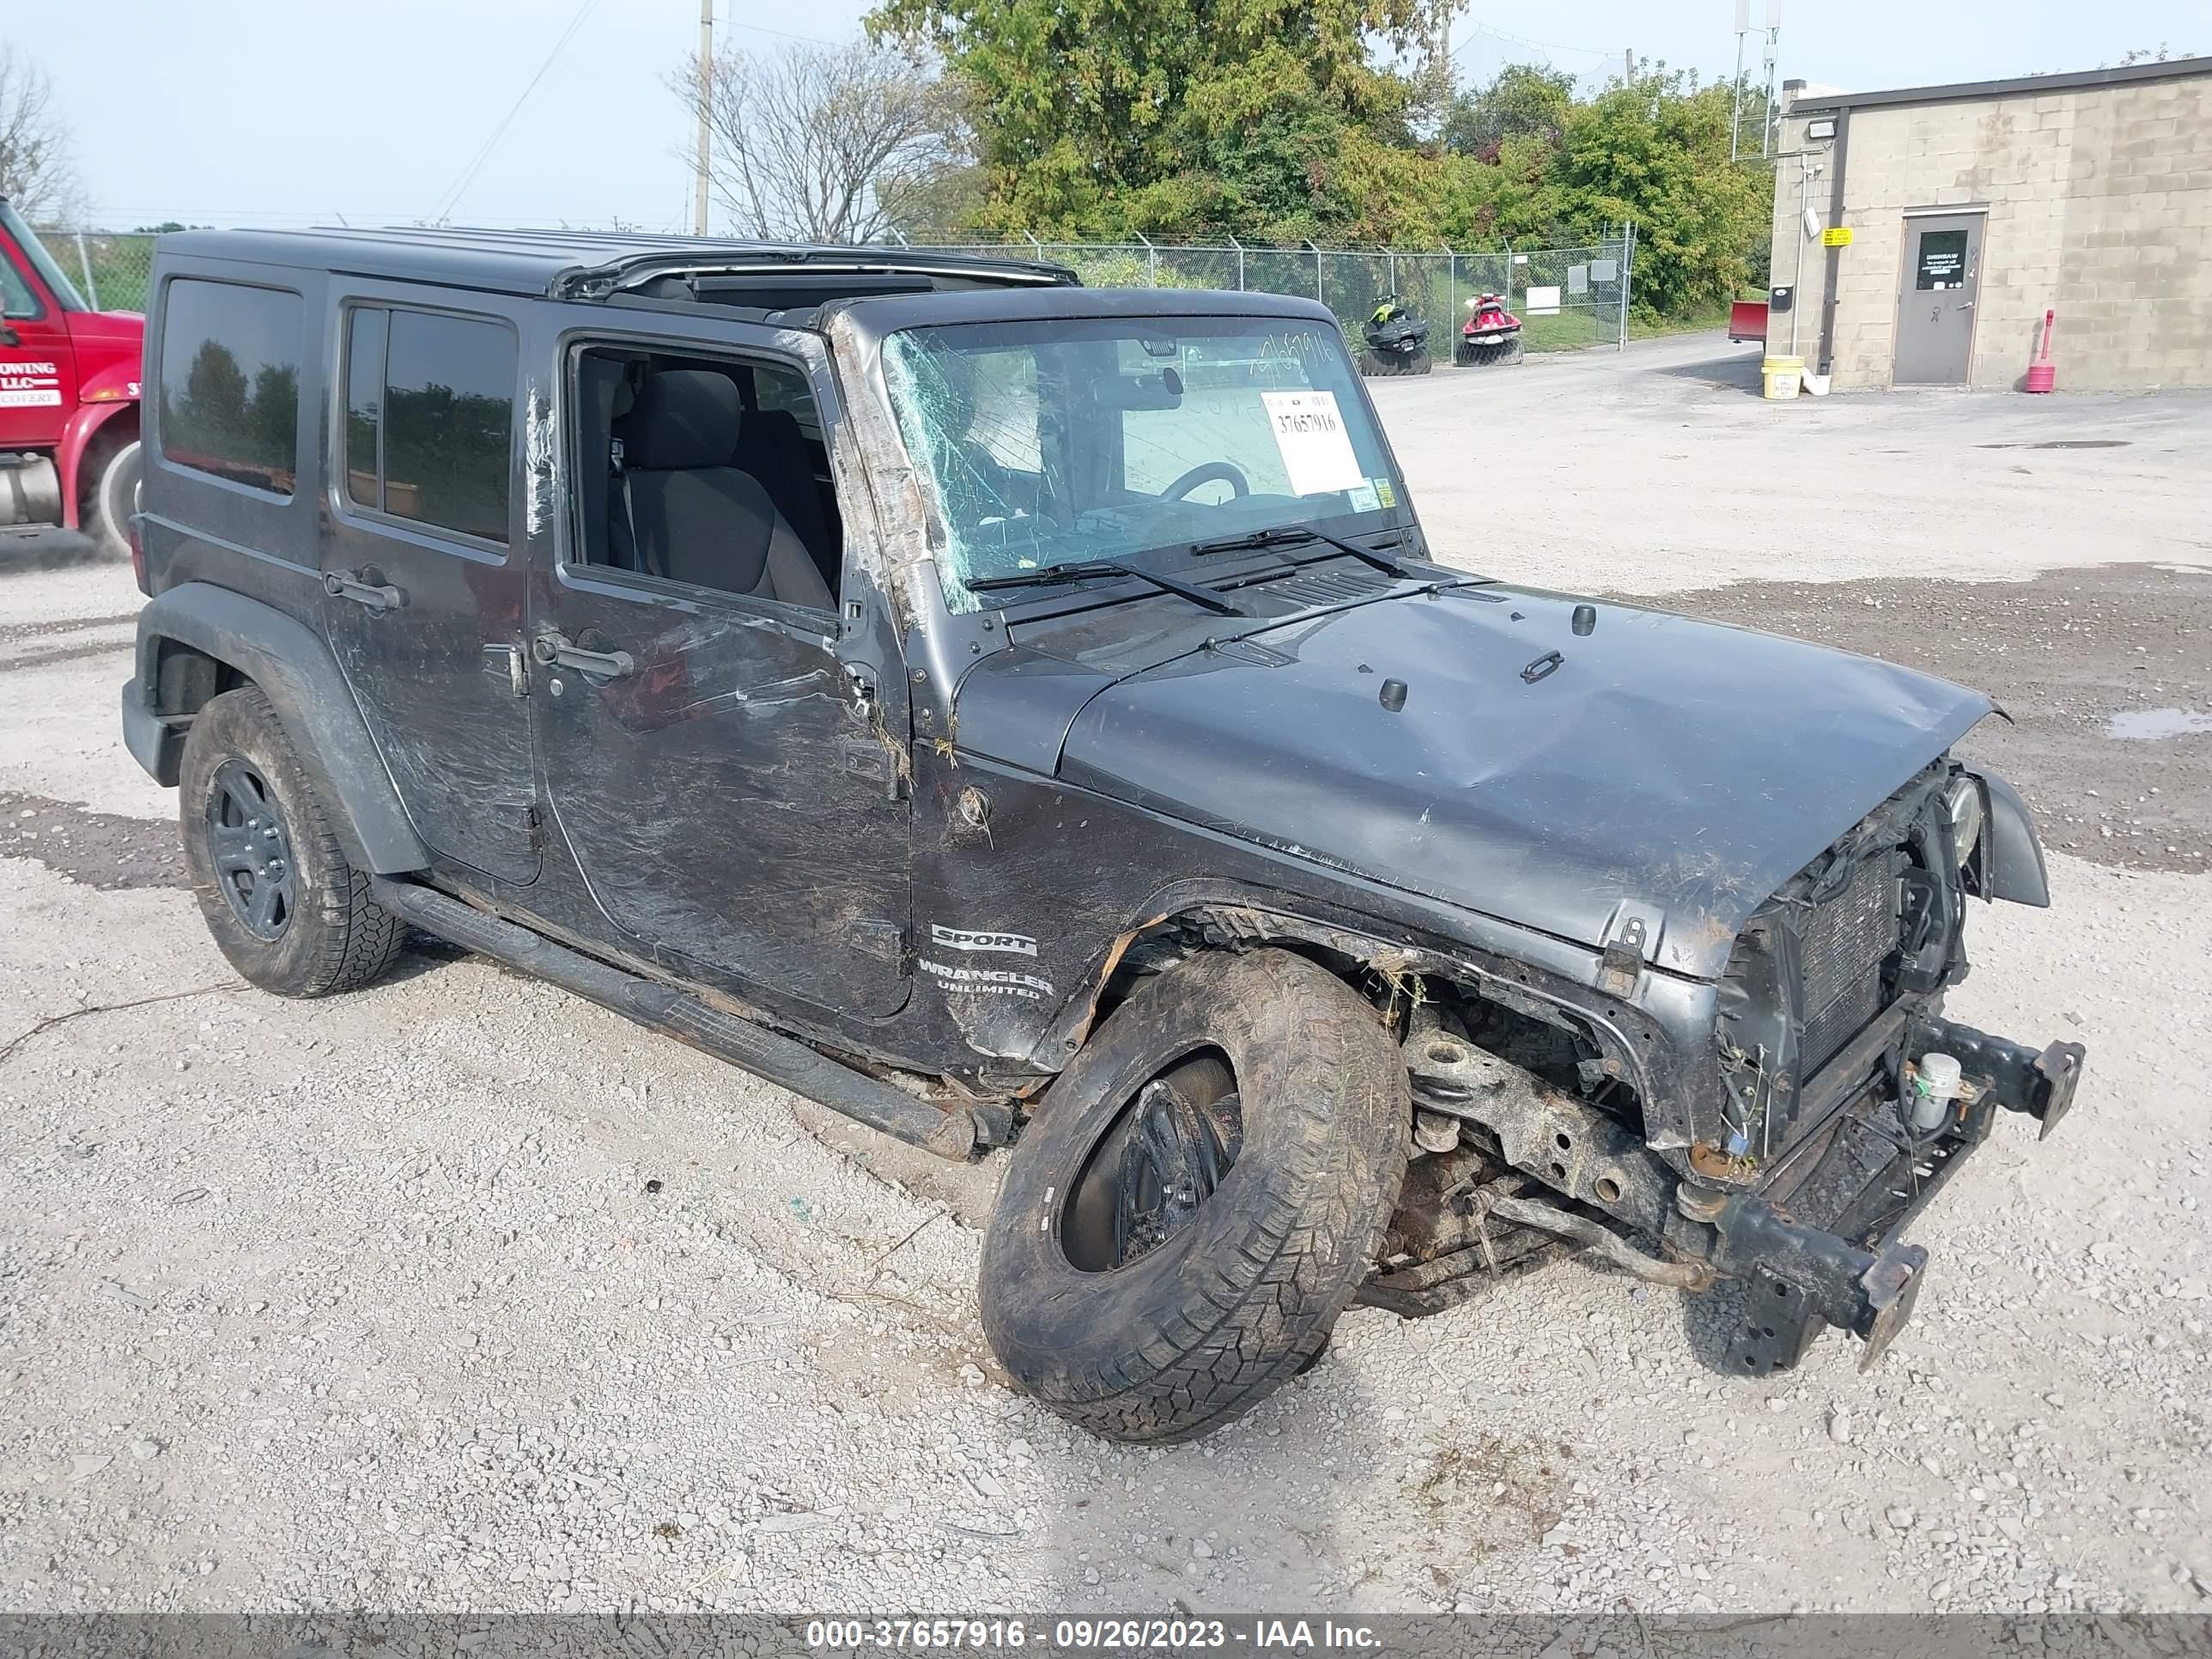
(430, 418)
(230, 381)
(1942, 260)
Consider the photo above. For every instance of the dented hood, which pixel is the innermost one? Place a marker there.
(1664, 763)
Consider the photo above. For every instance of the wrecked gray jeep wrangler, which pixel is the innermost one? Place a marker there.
(1021, 715)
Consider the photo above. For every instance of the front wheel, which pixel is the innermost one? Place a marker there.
(1200, 1194)
(113, 499)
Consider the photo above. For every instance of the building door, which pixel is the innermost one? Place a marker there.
(1935, 306)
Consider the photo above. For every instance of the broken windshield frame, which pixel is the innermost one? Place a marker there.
(1068, 441)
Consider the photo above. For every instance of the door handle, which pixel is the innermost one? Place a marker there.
(557, 650)
(1966, 304)
(379, 596)
(9, 336)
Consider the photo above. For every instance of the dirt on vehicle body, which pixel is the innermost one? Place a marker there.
(1010, 713)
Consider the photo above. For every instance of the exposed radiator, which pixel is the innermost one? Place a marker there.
(1844, 946)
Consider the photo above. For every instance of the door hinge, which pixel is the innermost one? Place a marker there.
(883, 939)
(519, 817)
(507, 662)
(1631, 934)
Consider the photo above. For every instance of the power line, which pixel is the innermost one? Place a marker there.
(1483, 29)
(781, 34)
(484, 154)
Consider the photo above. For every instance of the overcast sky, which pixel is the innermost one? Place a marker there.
(269, 111)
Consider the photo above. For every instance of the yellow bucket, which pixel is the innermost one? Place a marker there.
(1783, 375)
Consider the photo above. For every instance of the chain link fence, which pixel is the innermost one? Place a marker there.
(111, 268)
(1566, 297)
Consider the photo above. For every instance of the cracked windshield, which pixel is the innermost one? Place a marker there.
(1062, 441)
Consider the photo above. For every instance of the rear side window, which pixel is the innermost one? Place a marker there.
(230, 381)
(429, 423)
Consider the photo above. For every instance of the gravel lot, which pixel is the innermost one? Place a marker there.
(460, 1293)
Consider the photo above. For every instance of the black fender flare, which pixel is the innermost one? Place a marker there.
(295, 671)
(1250, 917)
(2014, 855)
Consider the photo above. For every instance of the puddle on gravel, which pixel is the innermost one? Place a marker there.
(99, 850)
(2065, 443)
(2147, 724)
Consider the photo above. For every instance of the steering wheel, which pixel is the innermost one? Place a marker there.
(1208, 473)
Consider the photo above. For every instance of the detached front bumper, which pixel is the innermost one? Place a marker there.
(1826, 1250)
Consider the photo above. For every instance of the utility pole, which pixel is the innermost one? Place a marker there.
(706, 84)
(1628, 65)
(1771, 38)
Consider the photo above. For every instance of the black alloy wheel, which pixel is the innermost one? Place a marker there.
(1156, 1167)
(251, 851)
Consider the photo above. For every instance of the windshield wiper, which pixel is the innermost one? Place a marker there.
(1284, 534)
(1212, 600)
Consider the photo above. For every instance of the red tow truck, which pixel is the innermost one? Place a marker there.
(68, 400)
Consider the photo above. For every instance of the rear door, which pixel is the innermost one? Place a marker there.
(423, 571)
(38, 367)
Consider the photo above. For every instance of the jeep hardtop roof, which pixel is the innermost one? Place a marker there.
(566, 264)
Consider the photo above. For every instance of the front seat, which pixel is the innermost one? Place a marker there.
(691, 516)
(771, 446)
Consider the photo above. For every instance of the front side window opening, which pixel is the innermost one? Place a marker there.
(1061, 441)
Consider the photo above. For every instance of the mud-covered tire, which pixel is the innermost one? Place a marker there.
(111, 498)
(1240, 1298)
(334, 937)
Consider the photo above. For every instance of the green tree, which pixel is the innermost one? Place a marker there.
(1104, 117)
(1656, 150)
(1523, 100)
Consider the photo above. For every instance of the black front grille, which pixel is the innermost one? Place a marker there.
(1844, 945)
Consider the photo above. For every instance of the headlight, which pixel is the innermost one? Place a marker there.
(1963, 805)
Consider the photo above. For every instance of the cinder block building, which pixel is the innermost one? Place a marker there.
(1920, 235)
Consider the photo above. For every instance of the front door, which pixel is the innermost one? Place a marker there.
(723, 774)
(423, 569)
(37, 369)
(1935, 306)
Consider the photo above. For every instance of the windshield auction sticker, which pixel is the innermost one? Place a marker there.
(1316, 450)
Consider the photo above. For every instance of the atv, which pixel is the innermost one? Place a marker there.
(1492, 334)
(1397, 342)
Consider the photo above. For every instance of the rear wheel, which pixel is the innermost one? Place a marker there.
(1199, 1196)
(114, 499)
(284, 905)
